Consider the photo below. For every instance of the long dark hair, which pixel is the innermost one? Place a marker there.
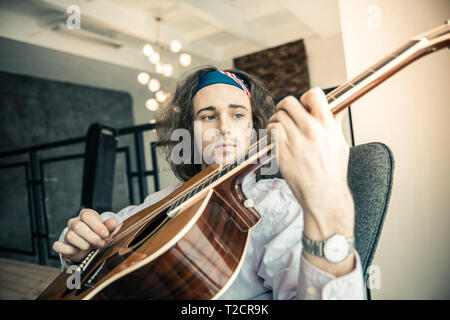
(178, 113)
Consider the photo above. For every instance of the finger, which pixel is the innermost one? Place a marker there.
(288, 124)
(75, 240)
(296, 111)
(94, 221)
(83, 230)
(317, 103)
(277, 133)
(70, 223)
(111, 224)
(65, 248)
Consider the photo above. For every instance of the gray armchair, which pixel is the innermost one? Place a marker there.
(370, 176)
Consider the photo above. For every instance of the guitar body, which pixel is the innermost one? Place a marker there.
(195, 255)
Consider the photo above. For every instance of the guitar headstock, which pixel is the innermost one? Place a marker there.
(436, 38)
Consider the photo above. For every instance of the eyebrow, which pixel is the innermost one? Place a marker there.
(212, 108)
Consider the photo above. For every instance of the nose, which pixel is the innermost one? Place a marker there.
(224, 126)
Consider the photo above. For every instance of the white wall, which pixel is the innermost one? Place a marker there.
(410, 113)
(326, 66)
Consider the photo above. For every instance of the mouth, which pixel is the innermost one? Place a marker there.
(224, 145)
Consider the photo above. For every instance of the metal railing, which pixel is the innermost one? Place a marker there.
(34, 173)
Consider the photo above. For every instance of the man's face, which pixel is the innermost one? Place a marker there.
(222, 123)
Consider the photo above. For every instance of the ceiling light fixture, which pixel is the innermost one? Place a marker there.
(154, 54)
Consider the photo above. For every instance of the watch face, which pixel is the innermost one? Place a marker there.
(336, 248)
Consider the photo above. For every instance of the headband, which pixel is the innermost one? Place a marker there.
(222, 77)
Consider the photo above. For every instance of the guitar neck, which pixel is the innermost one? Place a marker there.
(415, 48)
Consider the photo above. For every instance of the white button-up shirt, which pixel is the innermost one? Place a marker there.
(274, 267)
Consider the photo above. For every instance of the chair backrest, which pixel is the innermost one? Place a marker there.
(370, 177)
(99, 165)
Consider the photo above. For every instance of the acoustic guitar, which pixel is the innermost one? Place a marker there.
(191, 244)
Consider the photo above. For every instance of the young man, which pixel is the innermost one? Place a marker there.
(312, 206)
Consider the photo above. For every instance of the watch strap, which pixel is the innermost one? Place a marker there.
(313, 247)
(316, 248)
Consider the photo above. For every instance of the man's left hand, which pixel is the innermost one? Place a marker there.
(313, 158)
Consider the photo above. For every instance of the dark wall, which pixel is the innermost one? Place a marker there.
(283, 69)
(35, 111)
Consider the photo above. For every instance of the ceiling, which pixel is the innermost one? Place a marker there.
(212, 31)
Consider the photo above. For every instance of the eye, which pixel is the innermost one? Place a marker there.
(239, 115)
(208, 117)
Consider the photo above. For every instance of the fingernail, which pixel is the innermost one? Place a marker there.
(104, 233)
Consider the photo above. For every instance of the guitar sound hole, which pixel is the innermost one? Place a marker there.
(151, 227)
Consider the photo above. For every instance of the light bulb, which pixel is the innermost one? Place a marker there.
(161, 96)
(151, 104)
(185, 59)
(160, 67)
(175, 46)
(147, 50)
(154, 58)
(167, 70)
(143, 78)
(154, 85)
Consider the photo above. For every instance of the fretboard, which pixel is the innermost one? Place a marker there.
(344, 88)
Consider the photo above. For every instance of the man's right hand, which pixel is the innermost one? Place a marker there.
(85, 232)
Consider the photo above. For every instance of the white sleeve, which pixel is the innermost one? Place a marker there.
(127, 212)
(281, 264)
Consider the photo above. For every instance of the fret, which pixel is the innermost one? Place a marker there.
(203, 185)
(196, 189)
(186, 196)
(344, 88)
(363, 77)
(342, 91)
(177, 203)
(214, 178)
(382, 64)
(404, 48)
(208, 182)
(229, 168)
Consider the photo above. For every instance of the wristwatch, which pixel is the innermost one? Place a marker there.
(334, 249)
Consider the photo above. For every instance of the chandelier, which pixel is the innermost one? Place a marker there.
(154, 55)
